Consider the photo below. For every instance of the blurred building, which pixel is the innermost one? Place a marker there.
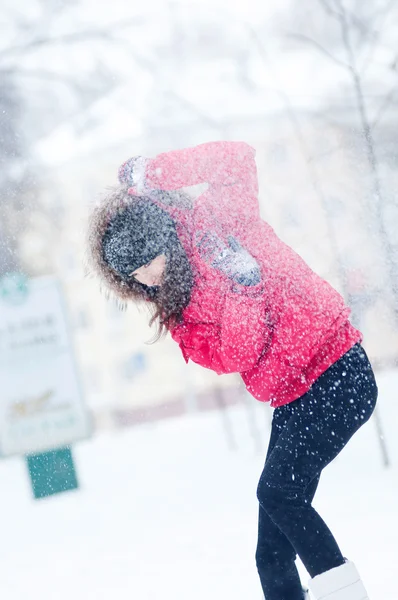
(312, 191)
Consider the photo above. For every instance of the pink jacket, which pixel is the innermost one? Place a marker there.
(256, 307)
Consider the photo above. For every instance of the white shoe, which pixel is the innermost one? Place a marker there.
(340, 583)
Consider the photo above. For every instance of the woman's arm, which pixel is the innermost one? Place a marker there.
(216, 163)
(236, 344)
(229, 169)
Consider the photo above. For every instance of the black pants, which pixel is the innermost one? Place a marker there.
(307, 435)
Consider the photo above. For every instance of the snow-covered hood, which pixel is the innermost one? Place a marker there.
(104, 211)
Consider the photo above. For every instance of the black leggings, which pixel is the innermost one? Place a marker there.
(307, 435)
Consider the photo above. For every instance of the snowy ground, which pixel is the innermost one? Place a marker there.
(168, 512)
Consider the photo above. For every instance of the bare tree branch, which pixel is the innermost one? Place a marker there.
(44, 75)
(346, 35)
(372, 34)
(140, 59)
(360, 25)
(328, 9)
(375, 39)
(386, 102)
(78, 36)
(310, 41)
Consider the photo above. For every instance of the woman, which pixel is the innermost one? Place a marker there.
(238, 300)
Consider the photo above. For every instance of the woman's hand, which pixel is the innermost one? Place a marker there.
(133, 173)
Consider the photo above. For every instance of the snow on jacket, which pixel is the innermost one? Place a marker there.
(256, 307)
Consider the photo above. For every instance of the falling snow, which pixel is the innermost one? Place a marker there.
(227, 175)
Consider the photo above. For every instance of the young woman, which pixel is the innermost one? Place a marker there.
(238, 300)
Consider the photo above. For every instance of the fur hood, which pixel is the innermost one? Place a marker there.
(177, 204)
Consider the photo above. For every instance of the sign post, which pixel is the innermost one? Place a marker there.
(42, 410)
(52, 472)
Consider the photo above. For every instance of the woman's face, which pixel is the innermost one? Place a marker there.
(151, 274)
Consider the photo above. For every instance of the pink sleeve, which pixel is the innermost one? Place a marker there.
(234, 346)
(216, 163)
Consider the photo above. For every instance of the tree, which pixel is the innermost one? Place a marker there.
(356, 43)
(51, 95)
(13, 176)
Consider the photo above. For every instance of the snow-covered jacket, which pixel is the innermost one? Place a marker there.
(256, 307)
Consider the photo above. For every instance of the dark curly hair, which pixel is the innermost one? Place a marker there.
(126, 231)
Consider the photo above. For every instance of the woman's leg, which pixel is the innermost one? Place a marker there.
(319, 425)
(275, 556)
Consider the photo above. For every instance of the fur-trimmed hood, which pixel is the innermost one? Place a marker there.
(177, 204)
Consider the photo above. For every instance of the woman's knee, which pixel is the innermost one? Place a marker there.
(274, 499)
